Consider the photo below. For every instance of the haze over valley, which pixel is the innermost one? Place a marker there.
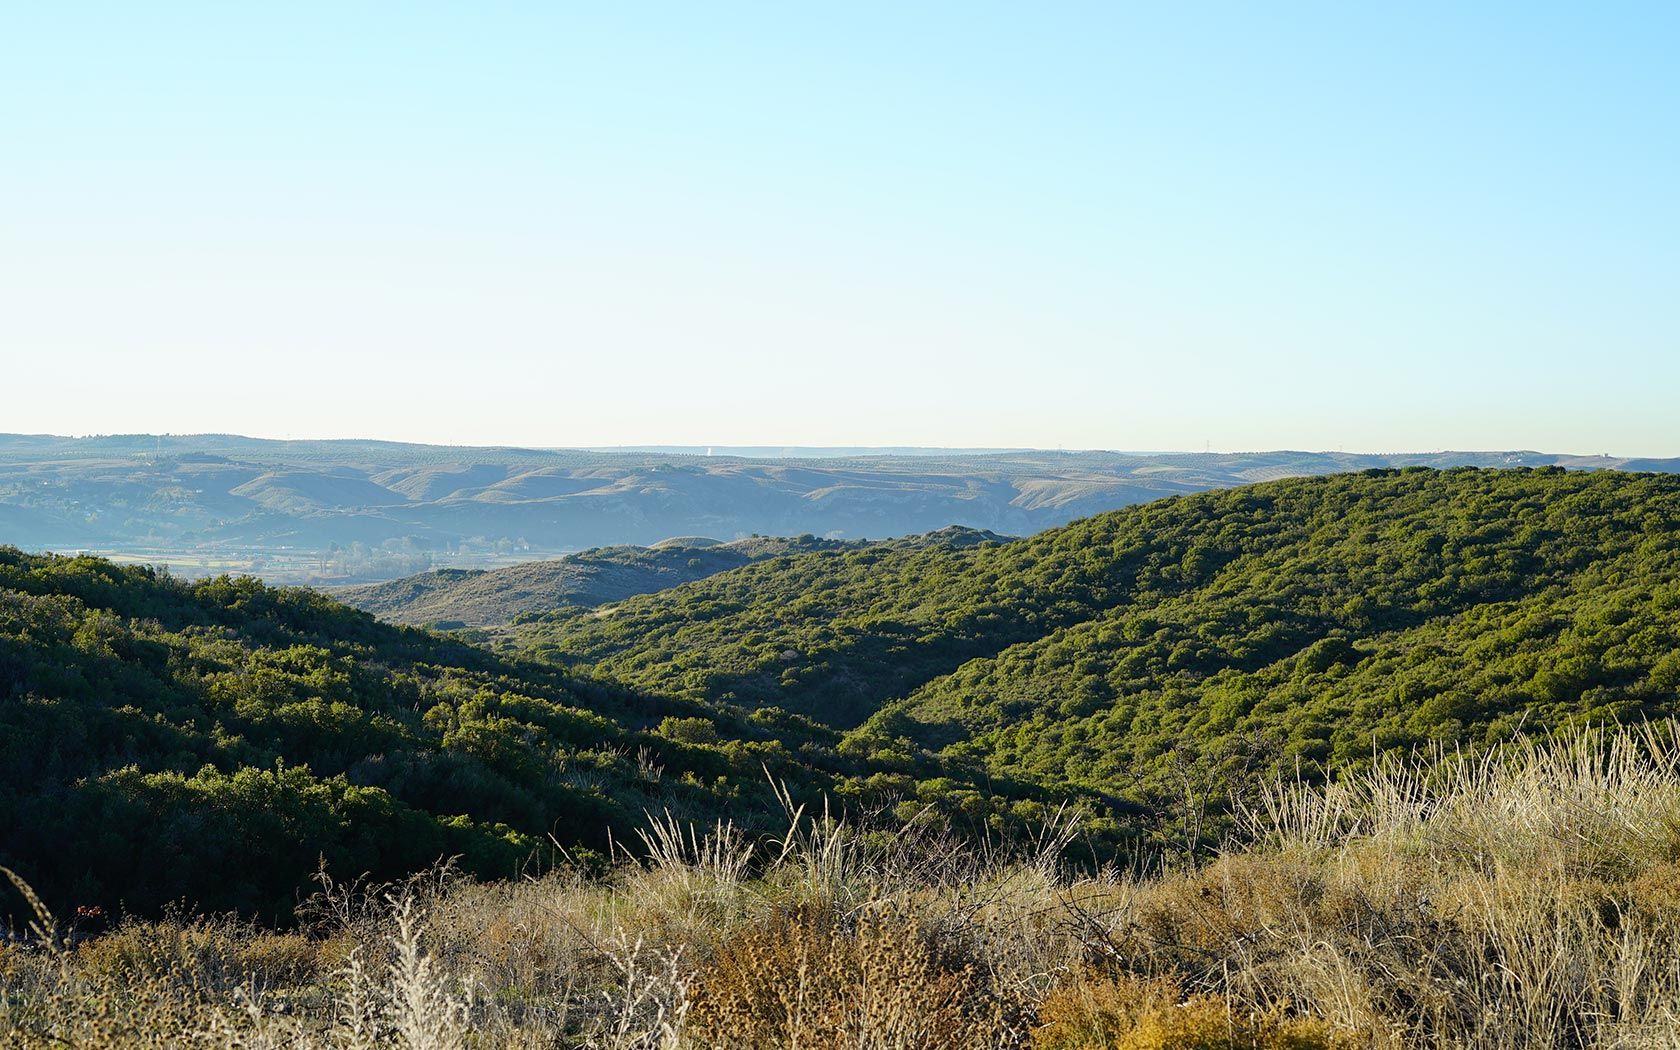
(333, 512)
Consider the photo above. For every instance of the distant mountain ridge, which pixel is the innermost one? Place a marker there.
(349, 510)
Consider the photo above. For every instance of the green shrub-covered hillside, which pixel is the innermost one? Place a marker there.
(214, 743)
(1166, 653)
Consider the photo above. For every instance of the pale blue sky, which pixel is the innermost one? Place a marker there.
(1312, 226)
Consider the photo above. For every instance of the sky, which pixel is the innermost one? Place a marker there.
(1167, 226)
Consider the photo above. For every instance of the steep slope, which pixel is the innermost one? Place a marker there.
(1195, 639)
(215, 742)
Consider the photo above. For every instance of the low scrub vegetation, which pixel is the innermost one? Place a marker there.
(210, 743)
(1156, 661)
(1526, 897)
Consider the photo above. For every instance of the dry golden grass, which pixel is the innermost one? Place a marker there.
(1529, 899)
(801, 979)
(1130, 1013)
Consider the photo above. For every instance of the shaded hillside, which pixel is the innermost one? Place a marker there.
(1194, 639)
(354, 511)
(451, 598)
(215, 742)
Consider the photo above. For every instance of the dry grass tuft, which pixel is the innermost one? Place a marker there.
(1130, 1013)
(802, 979)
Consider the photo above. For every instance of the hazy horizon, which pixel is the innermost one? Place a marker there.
(785, 450)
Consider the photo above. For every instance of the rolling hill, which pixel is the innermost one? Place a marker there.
(451, 598)
(1207, 637)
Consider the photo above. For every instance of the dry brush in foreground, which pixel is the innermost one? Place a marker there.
(1528, 898)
